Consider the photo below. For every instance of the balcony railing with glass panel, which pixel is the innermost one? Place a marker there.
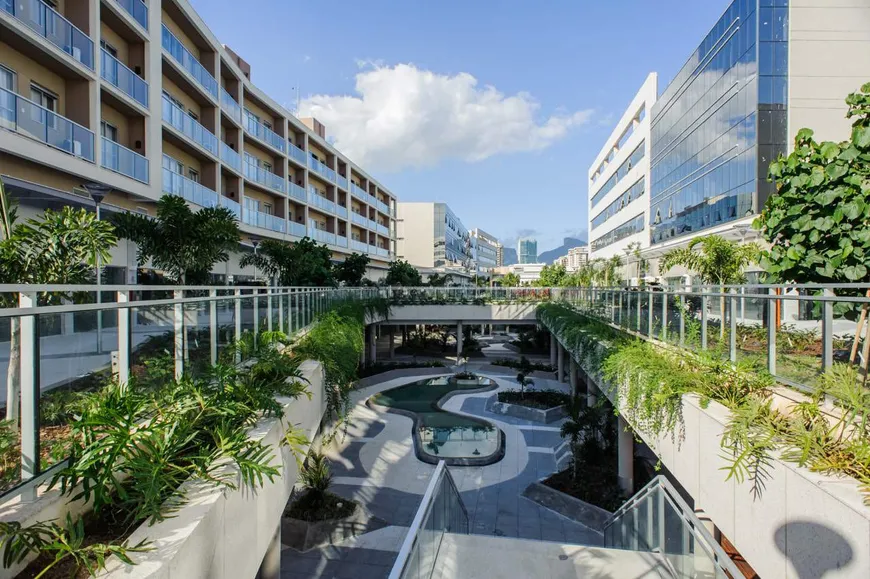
(297, 192)
(229, 104)
(47, 22)
(372, 224)
(176, 184)
(320, 168)
(357, 245)
(341, 211)
(31, 120)
(383, 230)
(137, 9)
(296, 229)
(296, 153)
(264, 177)
(232, 206)
(383, 207)
(320, 201)
(183, 122)
(382, 251)
(342, 181)
(231, 158)
(189, 62)
(359, 219)
(359, 192)
(257, 129)
(321, 235)
(120, 159)
(262, 220)
(341, 241)
(117, 74)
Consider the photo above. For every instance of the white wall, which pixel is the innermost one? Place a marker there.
(416, 233)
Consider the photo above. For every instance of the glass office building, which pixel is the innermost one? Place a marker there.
(527, 250)
(452, 240)
(720, 123)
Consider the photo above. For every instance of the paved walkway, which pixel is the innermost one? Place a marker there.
(375, 465)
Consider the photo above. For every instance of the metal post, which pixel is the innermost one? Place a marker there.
(771, 332)
(237, 335)
(619, 311)
(178, 328)
(280, 311)
(732, 339)
(682, 320)
(269, 308)
(458, 341)
(827, 331)
(665, 298)
(649, 323)
(704, 301)
(256, 315)
(99, 267)
(290, 314)
(29, 352)
(212, 327)
(123, 297)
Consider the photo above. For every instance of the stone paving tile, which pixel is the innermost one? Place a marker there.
(337, 562)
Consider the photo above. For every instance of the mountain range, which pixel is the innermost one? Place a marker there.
(554, 254)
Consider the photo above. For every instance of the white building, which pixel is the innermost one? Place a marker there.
(487, 249)
(430, 235)
(577, 257)
(619, 180)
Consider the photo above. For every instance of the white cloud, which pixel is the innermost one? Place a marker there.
(403, 117)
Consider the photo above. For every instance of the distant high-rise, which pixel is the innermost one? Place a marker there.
(527, 250)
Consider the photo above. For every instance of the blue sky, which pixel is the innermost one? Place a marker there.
(494, 107)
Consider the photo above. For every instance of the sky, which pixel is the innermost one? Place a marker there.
(497, 108)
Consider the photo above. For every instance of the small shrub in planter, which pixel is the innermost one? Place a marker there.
(542, 399)
(316, 502)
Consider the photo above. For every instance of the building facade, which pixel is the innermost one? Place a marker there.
(619, 180)
(756, 79)
(577, 257)
(144, 99)
(527, 250)
(487, 250)
(431, 235)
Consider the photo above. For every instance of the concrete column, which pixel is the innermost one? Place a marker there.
(458, 340)
(591, 392)
(553, 346)
(373, 344)
(560, 364)
(392, 343)
(572, 376)
(625, 460)
(270, 568)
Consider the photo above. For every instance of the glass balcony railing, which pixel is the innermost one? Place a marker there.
(31, 120)
(232, 206)
(262, 220)
(382, 251)
(341, 241)
(257, 129)
(383, 230)
(341, 211)
(229, 104)
(360, 246)
(175, 184)
(321, 235)
(183, 122)
(320, 168)
(383, 207)
(320, 201)
(117, 74)
(264, 177)
(296, 229)
(296, 153)
(342, 182)
(189, 62)
(137, 9)
(120, 159)
(230, 158)
(47, 22)
(358, 192)
(372, 224)
(359, 219)
(297, 192)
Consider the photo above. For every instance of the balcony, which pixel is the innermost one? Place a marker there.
(321, 235)
(263, 220)
(359, 219)
(382, 207)
(357, 245)
(383, 251)
(31, 120)
(297, 154)
(359, 192)
(372, 224)
(137, 9)
(383, 230)
(342, 182)
(47, 22)
(118, 75)
(264, 177)
(341, 211)
(230, 158)
(320, 201)
(189, 63)
(341, 241)
(257, 129)
(229, 104)
(184, 123)
(297, 192)
(232, 206)
(320, 168)
(175, 184)
(120, 159)
(296, 229)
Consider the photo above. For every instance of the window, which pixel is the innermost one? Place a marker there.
(267, 124)
(267, 166)
(192, 114)
(268, 209)
(174, 100)
(193, 174)
(43, 97)
(109, 131)
(7, 79)
(173, 165)
(109, 48)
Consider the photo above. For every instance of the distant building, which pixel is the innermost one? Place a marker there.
(577, 257)
(527, 272)
(430, 235)
(527, 250)
(500, 254)
(487, 249)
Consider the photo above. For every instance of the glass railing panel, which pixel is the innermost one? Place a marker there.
(383, 207)
(176, 184)
(230, 157)
(189, 62)
(358, 192)
(229, 104)
(321, 168)
(232, 206)
(341, 211)
(262, 220)
(137, 9)
(29, 119)
(297, 191)
(383, 230)
(341, 241)
(321, 236)
(296, 229)
(184, 123)
(320, 201)
(257, 129)
(116, 73)
(47, 22)
(372, 224)
(359, 219)
(264, 177)
(342, 181)
(360, 246)
(297, 153)
(120, 159)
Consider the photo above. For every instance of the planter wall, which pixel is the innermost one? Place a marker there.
(518, 411)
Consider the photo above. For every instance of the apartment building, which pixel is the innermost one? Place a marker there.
(527, 250)
(143, 98)
(577, 257)
(766, 69)
(619, 180)
(432, 235)
(486, 250)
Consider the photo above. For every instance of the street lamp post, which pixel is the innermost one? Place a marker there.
(98, 192)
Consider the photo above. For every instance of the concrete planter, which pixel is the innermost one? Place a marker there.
(573, 508)
(305, 535)
(543, 416)
(467, 382)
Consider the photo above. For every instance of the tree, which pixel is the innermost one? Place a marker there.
(184, 244)
(524, 381)
(510, 280)
(402, 273)
(633, 250)
(436, 280)
(302, 263)
(351, 271)
(552, 276)
(605, 272)
(60, 247)
(717, 261)
(589, 431)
